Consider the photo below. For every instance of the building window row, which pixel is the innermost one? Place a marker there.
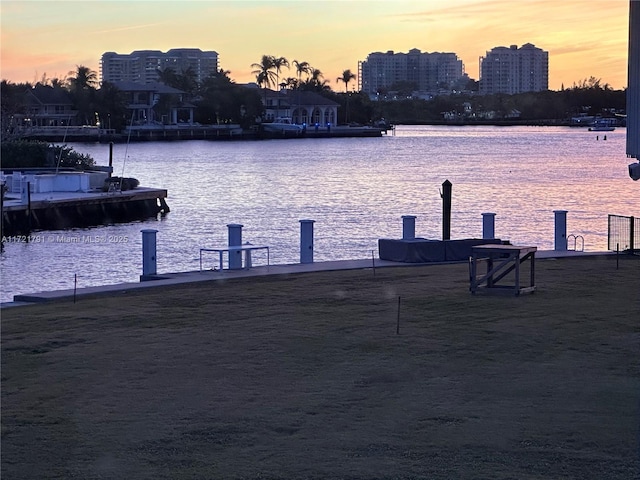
(143, 66)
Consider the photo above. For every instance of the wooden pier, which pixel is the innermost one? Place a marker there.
(61, 210)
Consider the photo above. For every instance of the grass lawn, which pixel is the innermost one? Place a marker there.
(304, 376)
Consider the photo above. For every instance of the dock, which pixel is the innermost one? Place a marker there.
(225, 132)
(60, 210)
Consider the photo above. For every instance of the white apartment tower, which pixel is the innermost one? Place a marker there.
(514, 70)
(429, 72)
(142, 66)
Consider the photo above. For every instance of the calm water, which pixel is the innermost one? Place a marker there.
(356, 190)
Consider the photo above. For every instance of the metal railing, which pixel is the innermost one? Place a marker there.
(578, 243)
(622, 232)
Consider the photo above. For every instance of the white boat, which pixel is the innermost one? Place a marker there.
(283, 125)
(602, 126)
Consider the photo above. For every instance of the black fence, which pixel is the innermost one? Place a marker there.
(623, 233)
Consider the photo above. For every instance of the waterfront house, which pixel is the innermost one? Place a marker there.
(156, 104)
(46, 106)
(300, 106)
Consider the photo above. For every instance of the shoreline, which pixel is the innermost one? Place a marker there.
(181, 278)
(215, 134)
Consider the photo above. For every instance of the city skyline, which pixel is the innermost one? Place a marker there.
(50, 38)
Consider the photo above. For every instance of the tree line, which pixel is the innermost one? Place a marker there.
(218, 99)
(587, 97)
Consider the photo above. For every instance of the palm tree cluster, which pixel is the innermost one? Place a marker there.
(267, 73)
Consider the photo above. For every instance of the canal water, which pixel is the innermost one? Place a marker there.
(355, 189)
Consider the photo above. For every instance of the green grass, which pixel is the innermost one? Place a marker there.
(304, 376)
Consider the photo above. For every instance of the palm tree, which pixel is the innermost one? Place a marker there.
(264, 71)
(316, 81)
(84, 78)
(346, 77)
(289, 83)
(278, 63)
(82, 86)
(301, 67)
(265, 76)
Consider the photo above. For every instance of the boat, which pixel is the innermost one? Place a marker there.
(602, 125)
(283, 125)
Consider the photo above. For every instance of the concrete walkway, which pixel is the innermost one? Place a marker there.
(208, 275)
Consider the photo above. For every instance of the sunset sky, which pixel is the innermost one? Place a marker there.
(584, 38)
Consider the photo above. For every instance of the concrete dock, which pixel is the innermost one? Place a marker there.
(178, 278)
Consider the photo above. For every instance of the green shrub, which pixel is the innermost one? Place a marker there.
(37, 154)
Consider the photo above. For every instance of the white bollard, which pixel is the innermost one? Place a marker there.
(149, 261)
(235, 240)
(560, 243)
(306, 241)
(408, 227)
(488, 226)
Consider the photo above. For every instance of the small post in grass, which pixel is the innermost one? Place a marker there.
(373, 263)
(75, 286)
(398, 321)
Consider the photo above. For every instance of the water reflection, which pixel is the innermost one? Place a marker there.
(355, 189)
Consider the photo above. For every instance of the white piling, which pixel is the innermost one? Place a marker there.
(306, 241)
(235, 240)
(560, 243)
(488, 226)
(149, 261)
(408, 227)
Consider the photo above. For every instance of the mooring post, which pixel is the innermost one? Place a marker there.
(446, 209)
(149, 262)
(28, 189)
(408, 227)
(560, 243)
(235, 240)
(306, 241)
(24, 190)
(488, 226)
(110, 159)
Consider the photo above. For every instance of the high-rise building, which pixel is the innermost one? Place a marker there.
(142, 66)
(426, 72)
(514, 70)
